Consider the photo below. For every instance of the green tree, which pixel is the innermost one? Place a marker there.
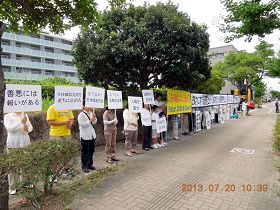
(213, 84)
(260, 88)
(250, 17)
(275, 94)
(246, 69)
(31, 17)
(143, 47)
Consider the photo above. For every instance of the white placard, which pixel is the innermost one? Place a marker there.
(135, 104)
(95, 97)
(161, 124)
(208, 120)
(198, 120)
(148, 96)
(114, 99)
(68, 98)
(23, 98)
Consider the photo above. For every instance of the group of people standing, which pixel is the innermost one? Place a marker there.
(60, 121)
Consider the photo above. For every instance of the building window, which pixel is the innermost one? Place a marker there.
(34, 59)
(67, 74)
(18, 70)
(48, 49)
(49, 73)
(48, 38)
(33, 47)
(66, 52)
(66, 42)
(18, 44)
(67, 64)
(35, 71)
(6, 42)
(7, 69)
(6, 55)
(18, 57)
(49, 61)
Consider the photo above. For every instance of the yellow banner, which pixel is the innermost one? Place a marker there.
(178, 102)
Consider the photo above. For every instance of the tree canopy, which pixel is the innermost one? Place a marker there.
(143, 47)
(250, 17)
(241, 66)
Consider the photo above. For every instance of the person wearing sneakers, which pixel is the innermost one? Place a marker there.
(147, 127)
(18, 126)
(162, 134)
(155, 116)
(110, 132)
(130, 131)
(87, 119)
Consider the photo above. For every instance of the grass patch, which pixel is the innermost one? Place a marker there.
(276, 142)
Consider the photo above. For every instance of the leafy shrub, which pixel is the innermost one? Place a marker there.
(40, 162)
(276, 143)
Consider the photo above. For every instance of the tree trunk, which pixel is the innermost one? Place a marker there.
(4, 195)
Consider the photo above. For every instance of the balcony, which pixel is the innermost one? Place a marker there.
(36, 53)
(37, 65)
(34, 77)
(32, 40)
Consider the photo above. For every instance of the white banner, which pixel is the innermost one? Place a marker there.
(201, 100)
(148, 96)
(23, 98)
(135, 104)
(95, 97)
(114, 99)
(208, 120)
(236, 99)
(230, 99)
(219, 99)
(161, 125)
(68, 98)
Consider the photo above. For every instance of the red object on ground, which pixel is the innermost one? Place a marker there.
(251, 105)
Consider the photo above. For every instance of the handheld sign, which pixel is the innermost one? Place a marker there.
(135, 104)
(161, 125)
(23, 98)
(68, 98)
(95, 97)
(114, 99)
(148, 96)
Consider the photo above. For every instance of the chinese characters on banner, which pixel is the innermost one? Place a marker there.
(148, 96)
(95, 97)
(230, 99)
(114, 99)
(68, 98)
(236, 99)
(198, 120)
(23, 98)
(178, 102)
(135, 104)
(202, 100)
(161, 125)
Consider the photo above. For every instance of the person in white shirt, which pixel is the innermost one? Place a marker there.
(155, 116)
(158, 102)
(18, 126)
(130, 131)
(147, 127)
(87, 119)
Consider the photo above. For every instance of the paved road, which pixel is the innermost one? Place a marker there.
(154, 181)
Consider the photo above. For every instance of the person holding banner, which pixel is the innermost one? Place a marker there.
(110, 132)
(18, 126)
(158, 102)
(87, 119)
(147, 127)
(130, 131)
(60, 122)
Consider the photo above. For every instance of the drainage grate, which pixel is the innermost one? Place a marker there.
(243, 151)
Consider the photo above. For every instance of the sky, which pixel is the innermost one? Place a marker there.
(204, 12)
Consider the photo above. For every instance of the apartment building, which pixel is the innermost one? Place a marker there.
(218, 54)
(37, 57)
